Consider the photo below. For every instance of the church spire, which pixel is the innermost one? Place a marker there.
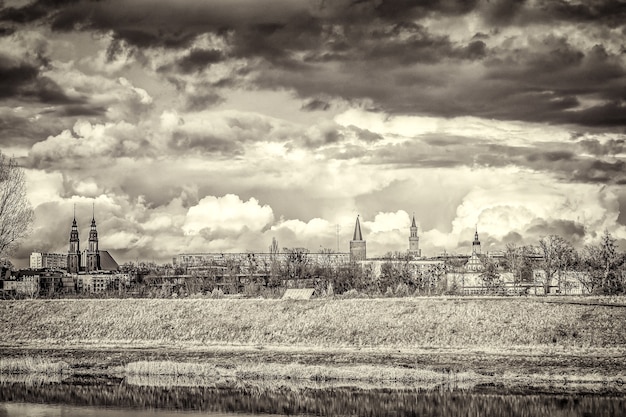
(414, 240)
(93, 254)
(357, 244)
(476, 243)
(357, 230)
(73, 254)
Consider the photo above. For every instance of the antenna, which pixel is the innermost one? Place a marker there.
(337, 228)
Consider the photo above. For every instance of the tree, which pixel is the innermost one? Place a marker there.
(517, 260)
(602, 263)
(490, 275)
(558, 256)
(16, 213)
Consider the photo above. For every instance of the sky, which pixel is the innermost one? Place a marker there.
(216, 126)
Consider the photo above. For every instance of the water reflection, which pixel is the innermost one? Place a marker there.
(129, 399)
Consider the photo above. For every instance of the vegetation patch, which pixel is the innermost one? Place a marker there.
(32, 365)
(404, 323)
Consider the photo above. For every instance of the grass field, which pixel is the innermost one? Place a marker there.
(568, 342)
(325, 323)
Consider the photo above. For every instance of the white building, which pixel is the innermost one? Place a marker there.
(39, 260)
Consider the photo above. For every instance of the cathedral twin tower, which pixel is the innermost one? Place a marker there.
(92, 254)
(358, 245)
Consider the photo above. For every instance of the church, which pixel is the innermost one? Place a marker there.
(92, 259)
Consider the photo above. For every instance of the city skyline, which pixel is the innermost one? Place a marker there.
(218, 126)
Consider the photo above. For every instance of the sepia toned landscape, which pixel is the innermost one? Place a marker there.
(312, 207)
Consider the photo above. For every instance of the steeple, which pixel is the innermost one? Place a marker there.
(413, 227)
(357, 244)
(73, 253)
(93, 233)
(414, 240)
(476, 243)
(93, 254)
(357, 230)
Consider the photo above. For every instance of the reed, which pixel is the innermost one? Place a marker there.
(32, 365)
(295, 371)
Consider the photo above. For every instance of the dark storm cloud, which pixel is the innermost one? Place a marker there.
(77, 110)
(316, 105)
(608, 12)
(199, 59)
(610, 147)
(573, 231)
(437, 151)
(20, 130)
(386, 52)
(502, 12)
(23, 81)
(198, 102)
(15, 77)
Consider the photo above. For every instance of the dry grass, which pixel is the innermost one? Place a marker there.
(31, 365)
(354, 323)
(294, 371)
(171, 368)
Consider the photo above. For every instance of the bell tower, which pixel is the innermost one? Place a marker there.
(93, 254)
(414, 240)
(476, 244)
(73, 254)
(357, 244)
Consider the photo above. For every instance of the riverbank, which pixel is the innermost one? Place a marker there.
(355, 323)
(523, 342)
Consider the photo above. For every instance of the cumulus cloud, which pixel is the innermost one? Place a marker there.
(219, 216)
(88, 144)
(580, 216)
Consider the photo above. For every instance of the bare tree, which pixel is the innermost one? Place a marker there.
(490, 275)
(16, 213)
(557, 257)
(603, 263)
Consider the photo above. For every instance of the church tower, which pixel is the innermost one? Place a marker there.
(476, 244)
(414, 241)
(357, 244)
(93, 254)
(474, 264)
(73, 254)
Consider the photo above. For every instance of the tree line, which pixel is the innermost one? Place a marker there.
(599, 267)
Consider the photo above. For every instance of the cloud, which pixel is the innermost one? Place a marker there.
(88, 144)
(536, 211)
(216, 217)
(546, 74)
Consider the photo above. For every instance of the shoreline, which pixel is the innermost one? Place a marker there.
(506, 341)
(316, 368)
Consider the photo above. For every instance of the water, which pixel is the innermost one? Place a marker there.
(114, 397)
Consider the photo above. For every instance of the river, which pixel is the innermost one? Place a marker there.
(117, 397)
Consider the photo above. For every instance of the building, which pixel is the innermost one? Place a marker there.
(93, 254)
(91, 259)
(474, 263)
(99, 283)
(73, 253)
(107, 262)
(258, 259)
(41, 260)
(414, 241)
(357, 244)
